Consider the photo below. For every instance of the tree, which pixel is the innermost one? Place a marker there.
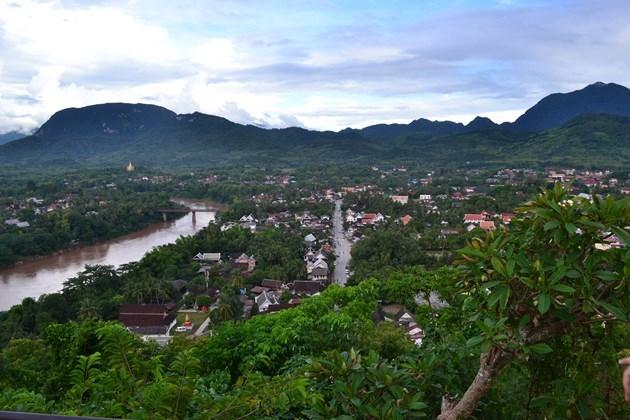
(550, 275)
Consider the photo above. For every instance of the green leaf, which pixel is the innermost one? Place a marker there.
(573, 274)
(618, 312)
(540, 348)
(418, 405)
(471, 251)
(489, 284)
(563, 288)
(498, 265)
(623, 235)
(552, 224)
(475, 341)
(544, 302)
(607, 275)
(505, 296)
(570, 227)
(510, 267)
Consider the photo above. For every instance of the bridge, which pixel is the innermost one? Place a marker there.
(185, 210)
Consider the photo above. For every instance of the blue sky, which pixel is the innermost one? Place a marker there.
(319, 64)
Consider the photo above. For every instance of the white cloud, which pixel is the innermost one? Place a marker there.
(254, 64)
(218, 54)
(53, 34)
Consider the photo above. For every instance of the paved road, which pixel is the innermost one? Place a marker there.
(202, 327)
(341, 245)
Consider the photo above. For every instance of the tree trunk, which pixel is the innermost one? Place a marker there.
(490, 365)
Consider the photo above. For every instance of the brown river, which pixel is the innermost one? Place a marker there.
(42, 275)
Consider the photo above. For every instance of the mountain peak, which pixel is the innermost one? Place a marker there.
(481, 123)
(556, 109)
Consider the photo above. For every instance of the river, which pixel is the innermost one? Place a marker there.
(42, 275)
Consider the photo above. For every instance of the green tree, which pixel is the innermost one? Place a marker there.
(548, 277)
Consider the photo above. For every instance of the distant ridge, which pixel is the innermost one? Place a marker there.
(577, 125)
(10, 136)
(552, 111)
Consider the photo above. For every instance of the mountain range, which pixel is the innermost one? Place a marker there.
(588, 127)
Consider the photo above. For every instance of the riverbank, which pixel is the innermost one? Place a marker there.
(46, 274)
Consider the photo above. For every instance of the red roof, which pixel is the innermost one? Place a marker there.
(473, 217)
(507, 217)
(487, 225)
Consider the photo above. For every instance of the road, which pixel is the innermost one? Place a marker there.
(342, 246)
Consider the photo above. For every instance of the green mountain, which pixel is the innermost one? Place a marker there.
(10, 136)
(152, 135)
(557, 109)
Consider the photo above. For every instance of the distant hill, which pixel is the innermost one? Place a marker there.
(10, 136)
(115, 133)
(557, 109)
(154, 135)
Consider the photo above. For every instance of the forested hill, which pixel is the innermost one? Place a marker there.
(10, 136)
(590, 123)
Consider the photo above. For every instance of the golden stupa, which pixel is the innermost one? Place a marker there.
(130, 167)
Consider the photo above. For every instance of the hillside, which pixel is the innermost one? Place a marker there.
(10, 136)
(557, 109)
(113, 134)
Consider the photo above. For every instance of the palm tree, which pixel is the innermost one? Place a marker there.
(88, 309)
(222, 313)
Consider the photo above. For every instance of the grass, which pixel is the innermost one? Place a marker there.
(195, 317)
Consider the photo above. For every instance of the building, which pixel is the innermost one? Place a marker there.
(148, 320)
(402, 199)
(265, 299)
(245, 263)
(208, 257)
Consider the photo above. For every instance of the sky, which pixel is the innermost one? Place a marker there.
(320, 64)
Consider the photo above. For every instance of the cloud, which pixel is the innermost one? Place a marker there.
(322, 65)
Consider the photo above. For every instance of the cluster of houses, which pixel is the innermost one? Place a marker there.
(402, 318)
(268, 295)
(240, 261)
(248, 222)
(38, 206)
(485, 220)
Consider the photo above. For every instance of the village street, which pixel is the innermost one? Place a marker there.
(342, 246)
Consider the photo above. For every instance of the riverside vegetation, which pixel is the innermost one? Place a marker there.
(536, 320)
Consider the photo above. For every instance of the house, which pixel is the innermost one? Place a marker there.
(258, 290)
(406, 219)
(245, 263)
(351, 216)
(474, 218)
(506, 218)
(147, 319)
(424, 197)
(318, 274)
(17, 223)
(251, 226)
(227, 226)
(208, 257)
(247, 219)
(306, 287)
(310, 239)
(311, 265)
(274, 285)
(265, 299)
(372, 218)
(487, 225)
(402, 199)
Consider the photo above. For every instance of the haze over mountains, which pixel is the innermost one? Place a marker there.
(586, 127)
